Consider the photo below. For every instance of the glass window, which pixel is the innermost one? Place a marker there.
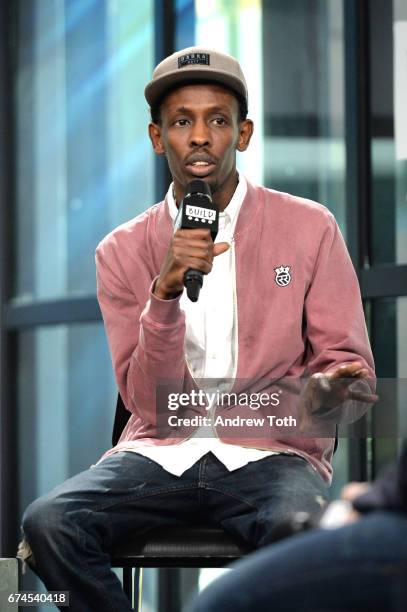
(388, 329)
(84, 162)
(184, 24)
(389, 131)
(66, 403)
(224, 25)
(296, 96)
(304, 148)
(389, 332)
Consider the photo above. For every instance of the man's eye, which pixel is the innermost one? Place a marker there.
(181, 122)
(220, 121)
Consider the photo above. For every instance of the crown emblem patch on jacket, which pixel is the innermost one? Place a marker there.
(283, 276)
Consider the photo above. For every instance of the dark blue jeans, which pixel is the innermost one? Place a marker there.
(71, 531)
(361, 567)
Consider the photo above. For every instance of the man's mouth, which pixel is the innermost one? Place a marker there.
(200, 164)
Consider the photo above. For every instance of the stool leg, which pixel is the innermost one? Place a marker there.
(138, 588)
(128, 583)
(131, 585)
(169, 585)
(137, 578)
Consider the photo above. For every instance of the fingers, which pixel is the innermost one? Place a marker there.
(331, 390)
(196, 258)
(193, 249)
(185, 241)
(320, 381)
(202, 234)
(354, 489)
(219, 248)
(349, 370)
(370, 398)
(197, 243)
(189, 249)
(197, 263)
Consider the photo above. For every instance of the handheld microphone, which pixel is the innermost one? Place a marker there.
(197, 210)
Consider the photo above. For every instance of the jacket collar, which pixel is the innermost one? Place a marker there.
(247, 215)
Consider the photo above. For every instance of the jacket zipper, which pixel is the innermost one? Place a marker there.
(235, 328)
(235, 342)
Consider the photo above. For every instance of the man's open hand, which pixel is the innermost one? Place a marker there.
(327, 391)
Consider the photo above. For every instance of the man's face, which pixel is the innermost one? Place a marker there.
(200, 133)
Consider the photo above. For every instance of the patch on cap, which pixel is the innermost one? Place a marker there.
(194, 58)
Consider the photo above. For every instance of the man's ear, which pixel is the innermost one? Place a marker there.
(245, 133)
(154, 131)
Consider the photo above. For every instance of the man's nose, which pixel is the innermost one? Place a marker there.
(200, 134)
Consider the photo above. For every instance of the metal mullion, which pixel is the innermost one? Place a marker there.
(358, 173)
(384, 281)
(8, 457)
(358, 131)
(164, 45)
(52, 312)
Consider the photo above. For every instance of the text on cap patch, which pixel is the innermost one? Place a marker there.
(194, 58)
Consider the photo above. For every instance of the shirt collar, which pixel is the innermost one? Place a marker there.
(232, 209)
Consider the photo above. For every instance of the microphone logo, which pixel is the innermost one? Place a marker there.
(197, 213)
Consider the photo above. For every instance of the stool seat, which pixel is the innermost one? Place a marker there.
(184, 546)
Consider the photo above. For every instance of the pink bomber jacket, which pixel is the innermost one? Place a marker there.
(313, 323)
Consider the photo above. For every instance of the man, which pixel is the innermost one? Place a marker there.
(247, 326)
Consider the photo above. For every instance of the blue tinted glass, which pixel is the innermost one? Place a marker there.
(84, 162)
(67, 398)
(185, 24)
(296, 92)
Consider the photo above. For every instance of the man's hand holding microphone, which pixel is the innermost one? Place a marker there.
(192, 248)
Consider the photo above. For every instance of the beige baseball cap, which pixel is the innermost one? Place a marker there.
(195, 64)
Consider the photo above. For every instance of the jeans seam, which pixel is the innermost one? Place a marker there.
(201, 479)
(141, 496)
(82, 538)
(234, 496)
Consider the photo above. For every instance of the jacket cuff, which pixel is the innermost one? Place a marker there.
(163, 312)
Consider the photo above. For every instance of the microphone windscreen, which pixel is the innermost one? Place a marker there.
(198, 186)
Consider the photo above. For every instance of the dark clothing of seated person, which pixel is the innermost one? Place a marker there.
(360, 567)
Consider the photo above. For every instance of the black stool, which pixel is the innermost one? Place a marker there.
(172, 547)
(189, 546)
